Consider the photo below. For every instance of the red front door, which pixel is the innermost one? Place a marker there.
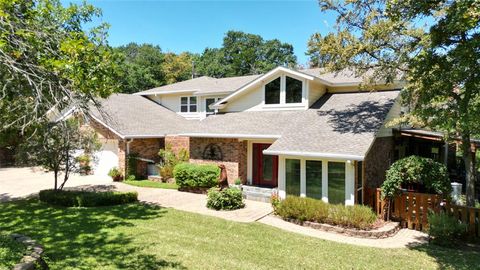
(265, 167)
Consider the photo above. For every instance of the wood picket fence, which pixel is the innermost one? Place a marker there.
(411, 209)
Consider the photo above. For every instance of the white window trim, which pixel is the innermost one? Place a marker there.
(283, 93)
(188, 104)
(215, 99)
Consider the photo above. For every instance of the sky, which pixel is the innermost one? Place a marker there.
(178, 26)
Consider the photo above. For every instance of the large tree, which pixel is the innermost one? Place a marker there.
(142, 67)
(49, 62)
(245, 54)
(433, 45)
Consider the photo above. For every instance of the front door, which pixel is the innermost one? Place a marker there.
(265, 167)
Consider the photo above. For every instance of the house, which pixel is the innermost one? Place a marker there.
(299, 131)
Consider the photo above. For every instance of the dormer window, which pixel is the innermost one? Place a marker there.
(188, 104)
(284, 90)
(293, 90)
(272, 92)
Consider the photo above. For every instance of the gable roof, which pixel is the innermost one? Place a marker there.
(202, 86)
(131, 116)
(339, 125)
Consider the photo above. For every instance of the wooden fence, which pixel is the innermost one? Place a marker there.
(411, 209)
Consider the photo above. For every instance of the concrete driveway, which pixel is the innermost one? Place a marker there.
(21, 182)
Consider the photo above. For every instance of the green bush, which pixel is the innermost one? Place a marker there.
(308, 209)
(188, 175)
(115, 174)
(227, 199)
(11, 252)
(445, 230)
(170, 160)
(70, 198)
(413, 169)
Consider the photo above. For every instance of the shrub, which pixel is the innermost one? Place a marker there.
(308, 209)
(188, 175)
(170, 160)
(115, 174)
(445, 230)
(226, 199)
(132, 165)
(430, 174)
(70, 198)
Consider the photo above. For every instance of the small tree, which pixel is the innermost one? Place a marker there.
(170, 159)
(55, 147)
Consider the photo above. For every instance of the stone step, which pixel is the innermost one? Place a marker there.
(257, 193)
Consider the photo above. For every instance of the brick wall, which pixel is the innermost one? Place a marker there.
(234, 155)
(178, 143)
(148, 149)
(378, 160)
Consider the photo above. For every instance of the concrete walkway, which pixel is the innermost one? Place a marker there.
(404, 238)
(196, 203)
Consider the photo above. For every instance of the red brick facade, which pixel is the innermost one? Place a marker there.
(378, 160)
(233, 152)
(177, 143)
(146, 149)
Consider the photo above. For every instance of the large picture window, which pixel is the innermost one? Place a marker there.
(293, 90)
(336, 182)
(292, 177)
(272, 92)
(188, 104)
(314, 179)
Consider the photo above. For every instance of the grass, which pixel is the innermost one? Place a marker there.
(151, 184)
(11, 252)
(136, 236)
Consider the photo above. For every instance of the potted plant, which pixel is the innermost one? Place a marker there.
(84, 164)
(115, 174)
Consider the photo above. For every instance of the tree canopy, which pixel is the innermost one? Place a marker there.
(433, 45)
(48, 61)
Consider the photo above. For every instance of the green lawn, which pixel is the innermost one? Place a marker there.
(137, 236)
(150, 184)
(11, 252)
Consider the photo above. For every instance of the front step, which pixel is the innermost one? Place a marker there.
(260, 194)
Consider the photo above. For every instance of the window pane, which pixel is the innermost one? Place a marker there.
(314, 179)
(208, 102)
(184, 108)
(183, 100)
(193, 100)
(193, 108)
(272, 92)
(336, 182)
(292, 177)
(267, 167)
(293, 90)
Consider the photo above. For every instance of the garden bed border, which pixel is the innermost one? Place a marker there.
(33, 254)
(387, 230)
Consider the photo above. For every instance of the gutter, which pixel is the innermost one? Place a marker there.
(314, 155)
(234, 136)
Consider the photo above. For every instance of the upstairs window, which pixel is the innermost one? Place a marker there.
(188, 104)
(208, 102)
(293, 90)
(272, 92)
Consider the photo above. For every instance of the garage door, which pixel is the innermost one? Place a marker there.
(106, 158)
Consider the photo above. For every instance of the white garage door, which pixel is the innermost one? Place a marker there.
(106, 158)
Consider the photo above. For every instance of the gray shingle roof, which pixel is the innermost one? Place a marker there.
(204, 85)
(343, 124)
(132, 116)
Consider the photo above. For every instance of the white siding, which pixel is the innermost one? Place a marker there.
(392, 114)
(315, 91)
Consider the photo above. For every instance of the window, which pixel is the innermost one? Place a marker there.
(336, 182)
(314, 179)
(272, 92)
(293, 90)
(208, 102)
(292, 177)
(188, 104)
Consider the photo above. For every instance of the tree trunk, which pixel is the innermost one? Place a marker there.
(469, 170)
(55, 173)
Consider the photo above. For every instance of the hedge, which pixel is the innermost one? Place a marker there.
(227, 199)
(308, 209)
(188, 175)
(70, 198)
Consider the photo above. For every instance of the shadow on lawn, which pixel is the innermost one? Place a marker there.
(81, 238)
(451, 258)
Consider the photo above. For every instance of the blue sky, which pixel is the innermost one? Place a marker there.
(178, 26)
